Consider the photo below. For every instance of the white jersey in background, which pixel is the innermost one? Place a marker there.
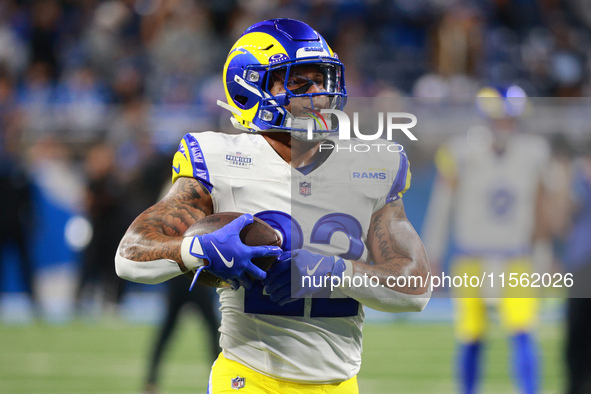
(495, 194)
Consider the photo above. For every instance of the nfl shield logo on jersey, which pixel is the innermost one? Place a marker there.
(305, 188)
(237, 383)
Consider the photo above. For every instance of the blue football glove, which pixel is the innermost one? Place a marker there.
(286, 275)
(228, 257)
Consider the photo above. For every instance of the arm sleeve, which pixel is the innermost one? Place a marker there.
(437, 221)
(161, 270)
(147, 272)
(382, 298)
(189, 161)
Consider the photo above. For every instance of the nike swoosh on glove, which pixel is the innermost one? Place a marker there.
(284, 279)
(228, 257)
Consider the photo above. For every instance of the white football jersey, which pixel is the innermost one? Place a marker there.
(494, 204)
(328, 211)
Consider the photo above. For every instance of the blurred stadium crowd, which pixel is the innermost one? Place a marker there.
(86, 70)
(95, 95)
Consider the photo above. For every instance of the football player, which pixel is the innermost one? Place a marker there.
(490, 183)
(280, 334)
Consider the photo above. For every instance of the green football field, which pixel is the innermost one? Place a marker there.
(109, 356)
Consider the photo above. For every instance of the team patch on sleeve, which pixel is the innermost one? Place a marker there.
(189, 161)
(401, 181)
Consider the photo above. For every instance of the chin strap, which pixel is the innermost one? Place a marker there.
(236, 123)
(228, 107)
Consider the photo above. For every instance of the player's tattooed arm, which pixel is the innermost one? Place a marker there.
(396, 250)
(157, 232)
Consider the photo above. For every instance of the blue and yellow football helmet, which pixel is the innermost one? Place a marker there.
(273, 49)
(496, 102)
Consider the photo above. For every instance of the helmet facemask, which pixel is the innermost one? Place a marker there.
(298, 92)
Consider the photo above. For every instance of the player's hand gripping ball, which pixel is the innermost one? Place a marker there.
(231, 241)
(284, 282)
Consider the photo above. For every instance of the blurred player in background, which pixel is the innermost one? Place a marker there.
(490, 184)
(105, 207)
(577, 260)
(177, 297)
(16, 201)
(276, 77)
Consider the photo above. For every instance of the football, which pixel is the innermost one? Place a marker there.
(256, 234)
